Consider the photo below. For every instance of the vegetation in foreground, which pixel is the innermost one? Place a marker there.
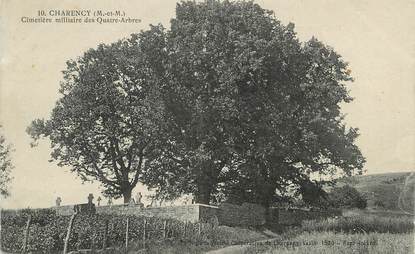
(48, 230)
(330, 242)
(361, 224)
(365, 233)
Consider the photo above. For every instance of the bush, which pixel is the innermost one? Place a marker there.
(346, 197)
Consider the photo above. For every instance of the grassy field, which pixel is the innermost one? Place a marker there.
(361, 233)
(361, 224)
(233, 235)
(338, 243)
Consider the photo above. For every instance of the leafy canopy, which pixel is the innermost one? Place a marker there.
(251, 109)
(5, 166)
(102, 127)
(227, 102)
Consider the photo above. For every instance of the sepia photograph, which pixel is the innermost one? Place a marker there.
(207, 126)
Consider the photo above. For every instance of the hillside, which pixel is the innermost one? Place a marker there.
(389, 191)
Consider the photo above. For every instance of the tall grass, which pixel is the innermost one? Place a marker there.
(361, 233)
(341, 243)
(361, 224)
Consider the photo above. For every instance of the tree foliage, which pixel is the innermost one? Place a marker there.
(102, 126)
(5, 166)
(251, 108)
(312, 193)
(227, 102)
(346, 197)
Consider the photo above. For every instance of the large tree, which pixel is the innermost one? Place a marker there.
(5, 166)
(103, 126)
(252, 110)
(228, 101)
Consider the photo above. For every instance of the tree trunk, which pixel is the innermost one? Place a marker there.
(127, 195)
(206, 182)
(266, 201)
(203, 194)
(267, 194)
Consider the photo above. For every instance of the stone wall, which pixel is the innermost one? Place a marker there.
(183, 213)
(245, 215)
(208, 213)
(192, 213)
(64, 210)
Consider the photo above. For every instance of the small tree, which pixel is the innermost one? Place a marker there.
(346, 197)
(5, 166)
(102, 127)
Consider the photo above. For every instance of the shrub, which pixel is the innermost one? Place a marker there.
(346, 197)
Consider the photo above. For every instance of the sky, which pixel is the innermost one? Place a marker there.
(376, 37)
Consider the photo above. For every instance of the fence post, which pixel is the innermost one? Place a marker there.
(164, 229)
(200, 228)
(93, 241)
(184, 229)
(144, 233)
(104, 241)
(126, 234)
(68, 234)
(94, 235)
(26, 233)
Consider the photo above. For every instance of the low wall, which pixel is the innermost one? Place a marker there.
(246, 214)
(208, 213)
(191, 213)
(182, 213)
(64, 210)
